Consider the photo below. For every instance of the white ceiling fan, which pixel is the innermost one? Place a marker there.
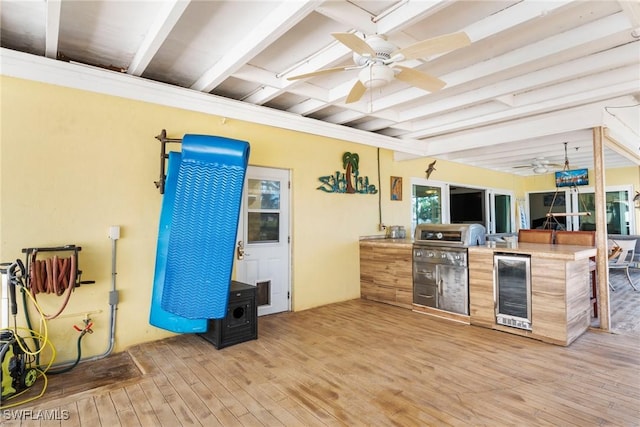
(377, 59)
(539, 165)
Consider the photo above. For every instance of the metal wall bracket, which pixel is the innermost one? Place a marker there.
(163, 157)
(72, 248)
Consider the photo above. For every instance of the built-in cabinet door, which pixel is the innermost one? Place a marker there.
(452, 289)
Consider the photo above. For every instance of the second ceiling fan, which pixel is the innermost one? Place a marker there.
(539, 165)
(377, 59)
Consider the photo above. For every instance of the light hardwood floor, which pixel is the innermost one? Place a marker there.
(357, 363)
(625, 303)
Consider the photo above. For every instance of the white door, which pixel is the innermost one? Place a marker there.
(262, 247)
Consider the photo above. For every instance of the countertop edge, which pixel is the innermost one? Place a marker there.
(543, 250)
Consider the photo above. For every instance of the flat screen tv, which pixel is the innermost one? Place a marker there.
(572, 177)
(466, 207)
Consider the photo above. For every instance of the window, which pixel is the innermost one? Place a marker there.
(426, 204)
(441, 203)
(571, 201)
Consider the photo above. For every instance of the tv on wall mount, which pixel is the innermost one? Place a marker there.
(570, 178)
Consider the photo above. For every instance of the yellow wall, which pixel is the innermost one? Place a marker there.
(613, 176)
(74, 163)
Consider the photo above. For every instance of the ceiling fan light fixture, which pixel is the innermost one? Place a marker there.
(376, 75)
(540, 169)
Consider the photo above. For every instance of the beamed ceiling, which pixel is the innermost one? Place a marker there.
(534, 74)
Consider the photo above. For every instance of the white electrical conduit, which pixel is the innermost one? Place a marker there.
(113, 302)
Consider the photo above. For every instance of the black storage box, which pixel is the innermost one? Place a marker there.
(241, 321)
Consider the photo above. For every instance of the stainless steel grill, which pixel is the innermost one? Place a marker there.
(456, 235)
(440, 266)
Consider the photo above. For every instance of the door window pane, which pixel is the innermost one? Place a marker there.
(502, 213)
(426, 204)
(618, 212)
(617, 205)
(548, 202)
(263, 216)
(263, 194)
(263, 227)
(587, 203)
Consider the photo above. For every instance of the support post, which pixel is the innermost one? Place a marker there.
(602, 260)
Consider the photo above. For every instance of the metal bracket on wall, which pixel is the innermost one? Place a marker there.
(163, 157)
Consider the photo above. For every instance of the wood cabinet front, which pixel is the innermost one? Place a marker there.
(560, 310)
(385, 272)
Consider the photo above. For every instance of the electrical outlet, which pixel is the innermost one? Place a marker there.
(381, 227)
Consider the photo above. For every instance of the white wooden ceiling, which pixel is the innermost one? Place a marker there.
(536, 75)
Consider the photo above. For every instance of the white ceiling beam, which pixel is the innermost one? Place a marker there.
(613, 58)
(509, 100)
(167, 17)
(579, 91)
(624, 140)
(568, 120)
(513, 16)
(257, 75)
(265, 92)
(632, 9)
(584, 84)
(52, 31)
(347, 116)
(267, 80)
(348, 14)
(543, 50)
(579, 98)
(528, 147)
(328, 56)
(409, 13)
(310, 105)
(274, 25)
(374, 125)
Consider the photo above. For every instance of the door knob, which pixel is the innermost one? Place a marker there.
(240, 250)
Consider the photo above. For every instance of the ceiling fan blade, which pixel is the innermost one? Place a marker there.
(355, 43)
(440, 44)
(318, 73)
(356, 92)
(419, 79)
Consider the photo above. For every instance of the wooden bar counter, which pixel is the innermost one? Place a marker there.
(560, 289)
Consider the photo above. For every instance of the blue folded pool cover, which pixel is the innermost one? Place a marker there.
(158, 316)
(204, 223)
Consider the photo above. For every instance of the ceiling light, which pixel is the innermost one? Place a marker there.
(376, 75)
(540, 169)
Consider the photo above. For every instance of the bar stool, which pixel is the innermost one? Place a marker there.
(535, 236)
(583, 238)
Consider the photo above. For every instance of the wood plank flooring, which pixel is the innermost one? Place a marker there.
(625, 302)
(356, 363)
